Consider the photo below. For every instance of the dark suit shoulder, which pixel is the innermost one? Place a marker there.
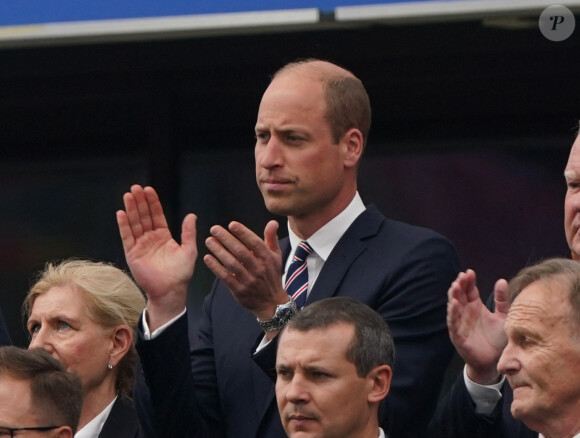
(373, 222)
(122, 421)
(398, 242)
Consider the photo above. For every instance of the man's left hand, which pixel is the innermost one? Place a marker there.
(249, 266)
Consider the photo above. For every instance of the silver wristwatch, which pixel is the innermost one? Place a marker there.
(283, 314)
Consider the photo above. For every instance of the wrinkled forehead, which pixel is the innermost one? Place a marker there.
(543, 303)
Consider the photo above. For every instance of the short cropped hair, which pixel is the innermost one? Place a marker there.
(564, 271)
(347, 102)
(113, 298)
(57, 395)
(372, 344)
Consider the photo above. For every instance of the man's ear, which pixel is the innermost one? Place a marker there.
(379, 382)
(352, 141)
(122, 339)
(64, 432)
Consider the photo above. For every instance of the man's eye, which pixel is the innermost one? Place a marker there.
(284, 374)
(524, 342)
(294, 138)
(33, 329)
(63, 325)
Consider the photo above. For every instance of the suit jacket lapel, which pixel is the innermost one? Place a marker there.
(353, 243)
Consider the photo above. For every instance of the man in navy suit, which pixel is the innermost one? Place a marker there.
(479, 404)
(312, 126)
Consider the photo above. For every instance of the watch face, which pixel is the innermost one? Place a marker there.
(291, 306)
(284, 313)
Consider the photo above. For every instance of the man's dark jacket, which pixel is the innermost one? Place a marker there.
(401, 271)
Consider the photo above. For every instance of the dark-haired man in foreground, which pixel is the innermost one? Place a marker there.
(37, 395)
(334, 368)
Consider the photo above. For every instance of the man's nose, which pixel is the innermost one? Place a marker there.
(297, 391)
(270, 154)
(508, 361)
(41, 339)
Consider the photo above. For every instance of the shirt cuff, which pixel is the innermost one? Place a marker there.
(485, 397)
(263, 343)
(147, 335)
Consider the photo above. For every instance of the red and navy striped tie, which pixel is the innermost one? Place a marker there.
(297, 276)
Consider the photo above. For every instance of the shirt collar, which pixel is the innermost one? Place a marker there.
(324, 240)
(93, 428)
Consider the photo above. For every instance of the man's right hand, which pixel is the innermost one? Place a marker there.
(476, 332)
(160, 266)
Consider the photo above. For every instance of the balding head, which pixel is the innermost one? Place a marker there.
(317, 69)
(347, 102)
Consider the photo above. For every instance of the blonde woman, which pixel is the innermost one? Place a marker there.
(84, 314)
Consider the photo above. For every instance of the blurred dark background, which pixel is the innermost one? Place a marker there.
(473, 120)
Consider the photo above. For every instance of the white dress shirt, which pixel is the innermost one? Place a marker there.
(325, 239)
(93, 428)
(485, 397)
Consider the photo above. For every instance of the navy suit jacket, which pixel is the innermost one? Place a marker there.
(456, 417)
(122, 421)
(4, 335)
(401, 271)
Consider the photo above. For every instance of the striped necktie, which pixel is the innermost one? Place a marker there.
(297, 276)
